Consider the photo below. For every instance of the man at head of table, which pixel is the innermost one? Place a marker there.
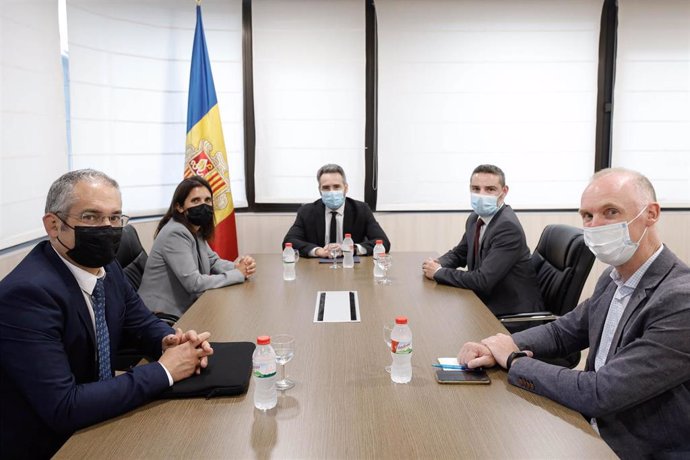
(323, 223)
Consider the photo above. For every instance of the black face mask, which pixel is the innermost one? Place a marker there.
(201, 215)
(94, 247)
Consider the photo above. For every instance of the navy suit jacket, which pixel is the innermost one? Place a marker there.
(641, 395)
(49, 384)
(502, 276)
(309, 230)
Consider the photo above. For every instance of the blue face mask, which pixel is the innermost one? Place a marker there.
(484, 205)
(333, 200)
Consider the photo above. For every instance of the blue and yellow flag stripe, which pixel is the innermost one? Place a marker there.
(202, 91)
(205, 153)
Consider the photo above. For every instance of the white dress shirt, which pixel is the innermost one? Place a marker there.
(87, 283)
(359, 249)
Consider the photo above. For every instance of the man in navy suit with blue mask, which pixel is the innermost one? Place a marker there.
(322, 224)
(64, 311)
(493, 249)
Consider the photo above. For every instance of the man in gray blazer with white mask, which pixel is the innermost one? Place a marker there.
(635, 388)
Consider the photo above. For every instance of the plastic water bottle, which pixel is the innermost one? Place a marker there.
(348, 248)
(401, 351)
(264, 370)
(289, 273)
(378, 249)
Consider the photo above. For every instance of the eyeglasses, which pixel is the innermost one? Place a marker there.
(92, 219)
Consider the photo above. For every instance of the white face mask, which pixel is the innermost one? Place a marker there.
(611, 244)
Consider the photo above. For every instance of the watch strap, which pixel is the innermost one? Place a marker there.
(513, 356)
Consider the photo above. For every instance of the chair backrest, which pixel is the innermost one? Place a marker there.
(132, 256)
(562, 262)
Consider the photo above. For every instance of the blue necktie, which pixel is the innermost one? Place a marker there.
(102, 336)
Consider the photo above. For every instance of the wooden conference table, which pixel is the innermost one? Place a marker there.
(344, 404)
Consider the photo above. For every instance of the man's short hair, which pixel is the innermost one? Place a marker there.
(490, 169)
(642, 183)
(61, 197)
(330, 168)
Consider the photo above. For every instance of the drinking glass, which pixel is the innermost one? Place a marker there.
(384, 262)
(284, 346)
(335, 252)
(387, 329)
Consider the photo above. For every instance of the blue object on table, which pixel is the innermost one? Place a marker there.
(460, 367)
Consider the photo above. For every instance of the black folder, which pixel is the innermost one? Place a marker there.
(227, 374)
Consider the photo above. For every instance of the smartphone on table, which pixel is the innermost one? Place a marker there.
(475, 377)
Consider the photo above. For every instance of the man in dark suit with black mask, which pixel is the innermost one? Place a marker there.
(64, 311)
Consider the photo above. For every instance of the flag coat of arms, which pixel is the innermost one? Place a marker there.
(205, 153)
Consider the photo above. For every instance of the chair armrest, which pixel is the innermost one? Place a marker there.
(167, 317)
(529, 316)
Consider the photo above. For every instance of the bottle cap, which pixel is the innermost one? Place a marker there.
(348, 235)
(288, 245)
(263, 340)
(379, 241)
(401, 320)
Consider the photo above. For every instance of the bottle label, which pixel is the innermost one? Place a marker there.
(264, 370)
(401, 348)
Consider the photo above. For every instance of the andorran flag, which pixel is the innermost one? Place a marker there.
(205, 153)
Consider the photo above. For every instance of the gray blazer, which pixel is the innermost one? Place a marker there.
(641, 396)
(502, 276)
(180, 268)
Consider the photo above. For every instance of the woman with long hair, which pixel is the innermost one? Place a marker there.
(182, 265)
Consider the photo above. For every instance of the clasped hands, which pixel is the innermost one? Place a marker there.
(246, 265)
(491, 351)
(185, 353)
(325, 252)
(430, 267)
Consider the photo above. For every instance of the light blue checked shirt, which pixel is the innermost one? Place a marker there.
(620, 300)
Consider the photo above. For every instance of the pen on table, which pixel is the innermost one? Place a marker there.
(456, 367)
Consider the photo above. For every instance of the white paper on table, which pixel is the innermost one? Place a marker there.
(449, 362)
(338, 307)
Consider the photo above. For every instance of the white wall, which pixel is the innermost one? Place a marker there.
(651, 113)
(33, 147)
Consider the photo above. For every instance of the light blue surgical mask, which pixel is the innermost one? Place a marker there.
(333, 200)
(484, 205)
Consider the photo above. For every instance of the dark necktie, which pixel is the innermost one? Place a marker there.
(102, 336)
(477, 232)
(331, 235)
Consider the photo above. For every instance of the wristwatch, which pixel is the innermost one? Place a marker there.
(513, 356)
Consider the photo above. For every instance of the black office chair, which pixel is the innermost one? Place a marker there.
(562, 262)
(132, 258)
